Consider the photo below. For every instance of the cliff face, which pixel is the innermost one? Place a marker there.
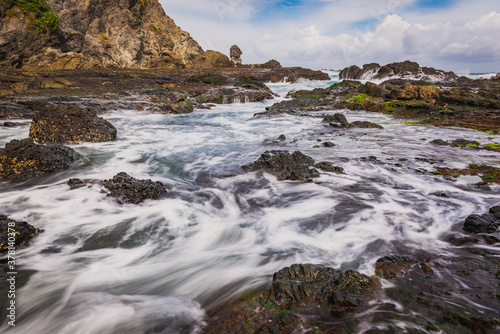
(98, 33)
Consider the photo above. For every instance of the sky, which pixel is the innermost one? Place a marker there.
(453, 35)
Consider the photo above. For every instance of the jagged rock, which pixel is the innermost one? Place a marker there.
(282, 137)
(340, 121)
(481, 223)
(24, 233)
(440, 142)
(302, 284)
(328, 144)
(391, 266)
(21, 160)
(285, 166)
(328, 167)
(69, 123)
(133, 191)
(404, 70)
(75, 183)
(235, 54)
(97, 33)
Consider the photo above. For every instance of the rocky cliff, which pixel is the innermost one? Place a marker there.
(403, 70)
(85, 34)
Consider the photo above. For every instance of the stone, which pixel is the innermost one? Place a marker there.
(365, 125)
(302, 284)
(329, 167)
(328, 144)
(285, 166)
(21, 160)
(24, 233)
(481, 223)
(133, 191)
(70, 124)
(235, 54)
(391, 266)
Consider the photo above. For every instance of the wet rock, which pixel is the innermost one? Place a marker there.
(329, 167)
(23, 233)
(365, 125)
(21, 160)
(406, 69)
(133, 191)
(460, 241)
(286, 166)
(495, 211)
(70, 124)
(328, 144)
(338, 120)
(302, 284)
(392, 266)
(282, 137)
(11, 124)
(481, 224)
(491, 240)
(75, 183)
(235, 54)
(465, 142)
(440, 142)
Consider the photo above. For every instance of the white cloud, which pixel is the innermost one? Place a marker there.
(394, 39)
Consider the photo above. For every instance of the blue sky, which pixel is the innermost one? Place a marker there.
(458, 35)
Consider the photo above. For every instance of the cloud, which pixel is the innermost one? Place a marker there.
(394, 39)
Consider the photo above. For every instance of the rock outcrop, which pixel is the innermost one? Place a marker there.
(133, 191)
(73, 34)
(70, 124)
(235, 54)
(279, 73)
(23, 235)
(403, 70)
(286, 166)
(21, 160)
(487, 223)
(340, 121)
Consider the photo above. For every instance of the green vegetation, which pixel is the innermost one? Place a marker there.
(45, 19)
(155, 29)
(143, 2)
(209, 79)
(360, 98)
(410, 122)
(493, 146)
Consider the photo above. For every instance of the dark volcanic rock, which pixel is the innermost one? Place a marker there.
(24, 233)
(301, 284)
(21, 160)
(391, 266)
(67, 123)
(406, 69)
(339, 120)
(365, 125)
(285, 166)
(328, 167)
(481, 224)
(129, 190)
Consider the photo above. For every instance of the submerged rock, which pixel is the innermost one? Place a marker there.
(21, 160)
(68, 123)
(328, 167)
(391, 266)
(23, 233)
(340, 121)
(286, 166)
(133, 191)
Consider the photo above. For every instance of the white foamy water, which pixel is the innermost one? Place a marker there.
(101, 267)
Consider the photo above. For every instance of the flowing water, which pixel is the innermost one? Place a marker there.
(102, 267)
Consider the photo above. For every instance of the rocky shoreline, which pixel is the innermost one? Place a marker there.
(312, 297)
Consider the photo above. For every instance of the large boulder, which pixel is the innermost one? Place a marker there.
(302, 284)
(133, 191)
(340, 121)
(70, 124)
(21, 160)
(286, 166)
(22, 236)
